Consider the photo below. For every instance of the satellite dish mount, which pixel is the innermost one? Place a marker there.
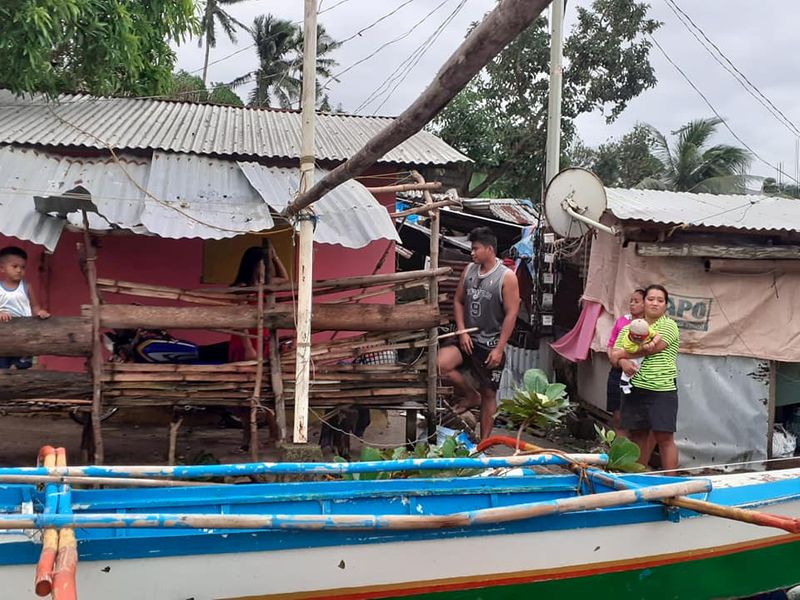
(574, 202)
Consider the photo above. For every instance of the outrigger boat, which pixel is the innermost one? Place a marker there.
(510, 533)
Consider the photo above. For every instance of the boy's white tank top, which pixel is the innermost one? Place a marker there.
(15, 302)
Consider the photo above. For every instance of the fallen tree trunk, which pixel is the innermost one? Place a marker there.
(344, 317)
(60, 336)
(35, 383)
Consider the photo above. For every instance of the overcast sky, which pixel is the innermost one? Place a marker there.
(758, 37)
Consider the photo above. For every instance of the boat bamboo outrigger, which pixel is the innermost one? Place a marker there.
(550, 535)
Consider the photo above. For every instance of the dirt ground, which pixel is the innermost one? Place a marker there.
(141, 437)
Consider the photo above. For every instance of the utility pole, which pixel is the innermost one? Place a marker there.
(553, 153)
(305, 220)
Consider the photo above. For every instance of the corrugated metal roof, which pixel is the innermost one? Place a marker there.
(349, 215)
(129, 123)
(198, 196)
(513, 211)
(25, 173)
(182, 199)
(757, 213)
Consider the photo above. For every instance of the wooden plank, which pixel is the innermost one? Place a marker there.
(355, 317)
(690, 250)
(58, 336)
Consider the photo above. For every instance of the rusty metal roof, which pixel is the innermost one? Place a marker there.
(510, 210)
(224, 131)
(745, 212)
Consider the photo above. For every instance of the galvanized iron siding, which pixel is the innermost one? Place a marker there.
(26, 173)
(188, 196)
(127, 123)
(745, 212)
(348, 215)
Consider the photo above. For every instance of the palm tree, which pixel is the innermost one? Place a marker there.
(276, 42)
(325, 65)
(213, 14)
(691, 165)
(279, 44)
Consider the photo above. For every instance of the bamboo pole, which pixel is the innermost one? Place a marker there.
(425, 208)
(255, 401)
(319, 468)
(47, 559)
(316, 522)
(64, 585)
(276, 377)
(355, 282)
(107, 481)
(709, 508)
(497, 29)
(406, 187)
(97, 344)
(433, 299)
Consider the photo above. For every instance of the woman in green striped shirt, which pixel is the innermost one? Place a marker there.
(651, 407)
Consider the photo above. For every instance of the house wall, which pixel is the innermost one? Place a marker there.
(62, 288)
(722, 415)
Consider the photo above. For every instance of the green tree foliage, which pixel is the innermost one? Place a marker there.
(188, 87)
(499, 119)
(214, 14)
(279, 77)
(101, 47)
(624, 162)
(691, 164)
(223, 94)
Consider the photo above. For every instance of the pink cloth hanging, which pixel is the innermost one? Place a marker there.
(575, 345)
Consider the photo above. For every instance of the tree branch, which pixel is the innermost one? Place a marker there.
(501, 26)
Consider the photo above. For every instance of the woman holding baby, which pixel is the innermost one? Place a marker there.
(648, 359)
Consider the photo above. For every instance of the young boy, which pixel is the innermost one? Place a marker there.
(16, 298)
(638, 334)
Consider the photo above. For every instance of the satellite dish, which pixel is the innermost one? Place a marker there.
(574, 202)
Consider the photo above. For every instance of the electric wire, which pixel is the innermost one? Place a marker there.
(394, 75)
(714, 110)
(380, 48)
(420, 53)
(720, 57)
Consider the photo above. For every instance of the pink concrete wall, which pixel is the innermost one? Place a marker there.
(62, 288)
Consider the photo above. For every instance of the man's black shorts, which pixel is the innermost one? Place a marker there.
(488, 379)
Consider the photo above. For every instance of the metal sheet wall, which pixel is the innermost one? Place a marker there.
(723, 406)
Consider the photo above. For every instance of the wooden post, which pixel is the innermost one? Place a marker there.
(771, 401)
(97, 344)
(255, 401)
(500, 27)
(174, 426)
(306, 227)
(276, 377)
(433, 299)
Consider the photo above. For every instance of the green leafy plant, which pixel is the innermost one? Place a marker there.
(450, 448)
(623, 454)
(538, 402)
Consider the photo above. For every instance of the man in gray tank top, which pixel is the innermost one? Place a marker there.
(487, 298)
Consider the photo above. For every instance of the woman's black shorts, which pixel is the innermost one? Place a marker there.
(645, 409)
